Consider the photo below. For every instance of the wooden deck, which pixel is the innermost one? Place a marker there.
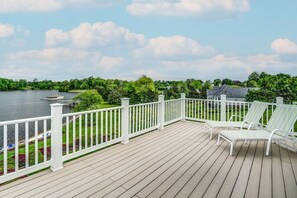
(180, 161)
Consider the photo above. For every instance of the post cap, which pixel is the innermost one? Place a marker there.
(56, 105)
(125, 98)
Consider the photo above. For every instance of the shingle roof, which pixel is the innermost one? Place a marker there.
(231, 92)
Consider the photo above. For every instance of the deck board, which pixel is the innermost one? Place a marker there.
(179, 161)
(265, 188)
(278, 186)
(232, 176)
(243, 177)
(252, 189)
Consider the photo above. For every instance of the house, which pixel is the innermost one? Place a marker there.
(233, 93)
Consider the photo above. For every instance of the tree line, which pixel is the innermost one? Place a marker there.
(272, 86)
(145, 89)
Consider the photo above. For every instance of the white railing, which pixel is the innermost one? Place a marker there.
(172, 111)
(143, 118)
(91, 130)
(24, 147)
(222, 110)
(43, 142)
(201, 110)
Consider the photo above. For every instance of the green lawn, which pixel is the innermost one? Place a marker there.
(88, 133)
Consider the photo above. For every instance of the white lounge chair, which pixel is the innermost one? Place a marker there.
(278, 127)
(252, 118)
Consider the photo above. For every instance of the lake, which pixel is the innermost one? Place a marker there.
(26, 104)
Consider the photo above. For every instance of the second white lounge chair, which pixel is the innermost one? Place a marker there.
(252, 118)
(278, 127)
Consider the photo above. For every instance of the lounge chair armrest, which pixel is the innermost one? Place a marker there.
(278, 130)
(232, 116)
(250, 124)
(262, 126)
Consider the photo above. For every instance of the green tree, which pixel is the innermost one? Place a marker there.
(252, 83)
(260, 95)
(205, 87)
(115, 97)
(227, 81)
(84, 85)
(87, 100)
(217, 82)
(144, 90)
(254, 76)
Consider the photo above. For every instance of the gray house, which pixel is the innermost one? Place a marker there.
(232, 93)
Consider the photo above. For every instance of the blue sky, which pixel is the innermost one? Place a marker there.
(164, 39)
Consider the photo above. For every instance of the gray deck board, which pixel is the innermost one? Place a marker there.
(230, 181)
(252, 189)
(278, 186)
(289, 180)
(239, 188)
(179, 161)
(265, 188)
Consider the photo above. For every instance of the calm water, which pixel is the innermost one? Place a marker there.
(26, 104)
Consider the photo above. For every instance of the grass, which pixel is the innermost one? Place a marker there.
(88, 133)
(77, 90)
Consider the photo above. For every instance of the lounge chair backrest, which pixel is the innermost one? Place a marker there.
(283, 118)
(255, 112)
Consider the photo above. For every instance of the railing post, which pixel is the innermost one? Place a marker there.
(161, 112)
(223, 107)
(125, 120)
(279, 100)
(183, 106)
(56, 136)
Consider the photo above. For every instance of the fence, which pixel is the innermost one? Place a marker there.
(33, 144)
(223, 110)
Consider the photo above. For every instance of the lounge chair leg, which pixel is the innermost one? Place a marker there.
(268, 147)
(231, 148)
(245, 141)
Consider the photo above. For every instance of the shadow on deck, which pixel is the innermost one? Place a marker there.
(180, 161)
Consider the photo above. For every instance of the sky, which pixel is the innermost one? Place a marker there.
(163, 39)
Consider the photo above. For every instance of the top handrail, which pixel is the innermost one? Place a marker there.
(173, 100)
(91, 111)
(143, 104)
(24, 120)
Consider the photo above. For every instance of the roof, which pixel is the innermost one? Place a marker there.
(231, 92)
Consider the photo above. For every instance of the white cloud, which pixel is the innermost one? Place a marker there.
(185, 7)
(29, 5)
(50, 5)
(172, 47)
(92, 3)
(51, 55)
(222, 66)
(284, 46)
(222, 62)
(108, 62)
(59, 63)
(55, 37)
(86, 35)
(6, 30)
